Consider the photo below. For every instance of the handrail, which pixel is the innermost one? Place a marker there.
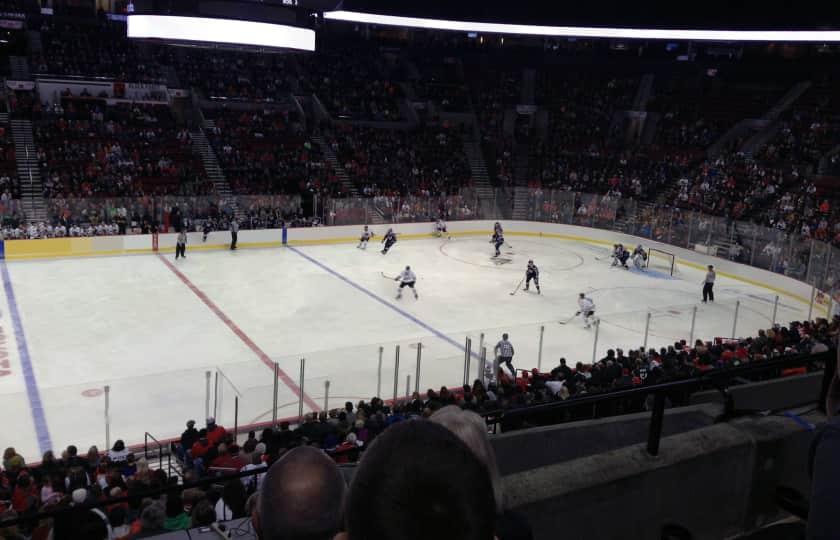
(146, 437)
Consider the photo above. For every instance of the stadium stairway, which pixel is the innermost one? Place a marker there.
(481, 180)
(201, 146)
(765, 134)
(375, 217)
(19, 68)
(332, 159)
(31, 187)
(643, 92)
(520, 204)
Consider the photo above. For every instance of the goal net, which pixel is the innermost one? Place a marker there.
(663, 261)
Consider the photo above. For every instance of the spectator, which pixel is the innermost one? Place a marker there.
(189, 436)
(203, 514)
(435, 487)
(119, 452)
(176, 518)
(152, 521)
(301, 498)
(215, 433)
(472, 430)
(231, 505)
(824, 467)
(12, 461)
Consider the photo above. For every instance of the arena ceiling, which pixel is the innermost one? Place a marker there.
(710, 14)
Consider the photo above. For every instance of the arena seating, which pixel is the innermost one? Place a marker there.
(357, 87)
(344, 434)
(268, 152)
(92, 48)
(429, 159)
(88, 148)
(229, 75)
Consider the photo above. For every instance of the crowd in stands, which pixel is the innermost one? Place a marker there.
(584, 148)
(294, 491)
(357, 86)
(9, 182)
(269, 152)
(230, 75)
(87, 148)
(373, 433)
(96, 48)
(428, 160)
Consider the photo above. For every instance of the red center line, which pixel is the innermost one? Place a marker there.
(269, 363)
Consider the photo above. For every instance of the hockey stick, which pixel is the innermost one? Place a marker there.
(392, 278)
(518, 286)
(567, 321)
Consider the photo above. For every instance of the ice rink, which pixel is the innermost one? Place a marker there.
(152, 328)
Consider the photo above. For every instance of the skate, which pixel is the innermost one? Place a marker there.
(526, 288)
(399, 295)
(416, 296)
(539, 291)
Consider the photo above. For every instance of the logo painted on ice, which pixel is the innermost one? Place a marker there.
(498, 261)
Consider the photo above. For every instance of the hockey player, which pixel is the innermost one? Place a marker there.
(587, 309)
(389, 240)
(620, 256)
(440, 228)
(406, 279)
(532, 272)
(639, 257)
(363, 240)
(498, 238)
(181, 245)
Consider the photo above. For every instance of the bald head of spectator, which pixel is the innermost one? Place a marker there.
(302, 497)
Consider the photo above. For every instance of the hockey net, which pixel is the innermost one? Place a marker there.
(661, 260)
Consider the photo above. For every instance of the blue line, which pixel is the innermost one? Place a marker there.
(32, 392)
(384, 302)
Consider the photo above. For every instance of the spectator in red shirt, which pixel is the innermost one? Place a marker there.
(25, 495)
(215, 433)
(201, 446)
(228, 458)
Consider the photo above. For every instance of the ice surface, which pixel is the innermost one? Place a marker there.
(133, 324)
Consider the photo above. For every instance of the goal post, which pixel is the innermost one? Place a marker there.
(661, 260)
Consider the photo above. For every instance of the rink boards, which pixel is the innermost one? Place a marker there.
(267, 238)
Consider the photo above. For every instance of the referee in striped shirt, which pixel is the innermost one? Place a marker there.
(504, 351)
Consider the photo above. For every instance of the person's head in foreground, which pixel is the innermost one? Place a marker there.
(472, 430)
(418, 481)
(301, 497)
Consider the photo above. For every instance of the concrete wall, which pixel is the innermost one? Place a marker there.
(716, 481)
(73, 247)
(519, 451)
(776, 394)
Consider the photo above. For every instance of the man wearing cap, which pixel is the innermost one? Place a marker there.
(215, 433)
(188, 438)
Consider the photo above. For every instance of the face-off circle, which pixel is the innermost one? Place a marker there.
(514, 254)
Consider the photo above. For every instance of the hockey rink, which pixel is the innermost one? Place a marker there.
(159, 333)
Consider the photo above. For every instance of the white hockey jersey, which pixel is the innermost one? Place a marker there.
(586, 304)
(407, 276)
